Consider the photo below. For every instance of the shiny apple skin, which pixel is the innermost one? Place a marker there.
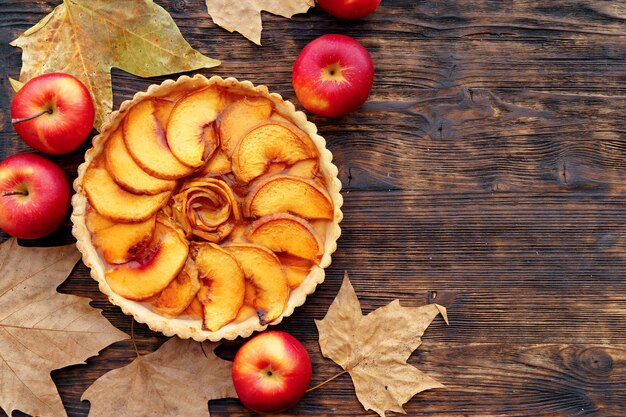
(71, 116)
(349, 9)
(47, 202)
(271, 372)
(333, 75)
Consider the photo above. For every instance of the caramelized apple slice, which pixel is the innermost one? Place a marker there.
(239, 117)
(295, 275)
(118, 242)
(245, 313)
(223, 286)
(162, 109)
(144, 136)
(264, 271)
(284, 193)
(297, 269)
(194, 309)
(219, 164)
(112, 201)
(155, 269)
(127, 173)
(306, 169)
(95, 222)
(284, 233)
(267, 143)
(177, 296)
(279, 118)
(250, 294)
(190, 129)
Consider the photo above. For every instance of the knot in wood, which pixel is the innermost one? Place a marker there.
(596, 361)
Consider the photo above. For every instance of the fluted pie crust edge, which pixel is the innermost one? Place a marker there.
(192, 328)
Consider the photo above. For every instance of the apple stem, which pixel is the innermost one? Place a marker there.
(25, 119)
(8, 193)
(321, 384)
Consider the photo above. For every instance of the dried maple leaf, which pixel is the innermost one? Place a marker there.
(176, 380)
(86, 38)
(15, 84)
(375, 348)
(42, 330)
(244, 16)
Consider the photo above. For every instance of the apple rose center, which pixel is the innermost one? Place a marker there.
(206, 208)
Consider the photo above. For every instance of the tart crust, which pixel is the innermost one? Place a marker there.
(187, 327)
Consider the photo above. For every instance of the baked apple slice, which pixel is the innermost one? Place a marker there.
(279, 118)
(295, 275)
(250, 294)
(194, 309)
(112, 201)
(118, 242)
(264, 271)
(223, 286)
(144, 136)
(191, 134)
(286, 193)
(153, 270)
(308, 168)
(288, 234)
(181, 292)
(219, 164)
(127, 173)
(268, 143)
(239, 117)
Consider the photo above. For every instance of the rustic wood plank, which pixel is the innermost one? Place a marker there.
(534, 380)
(486, 172)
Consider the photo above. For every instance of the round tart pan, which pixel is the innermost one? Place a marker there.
(189, 327)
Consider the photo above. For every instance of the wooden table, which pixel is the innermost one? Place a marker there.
(486, 172)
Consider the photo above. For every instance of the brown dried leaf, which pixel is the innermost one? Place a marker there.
(86, 38)
(176, 380)
(375, 348)
(244, 16)
(42, 330)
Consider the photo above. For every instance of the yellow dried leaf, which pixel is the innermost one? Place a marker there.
(86, 38)
(375, 348)
(15, 84)
(176, 380)
(42, 330)
(244, 16)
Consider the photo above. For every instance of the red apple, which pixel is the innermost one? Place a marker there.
(349, 9)
(271, 372)
(53, 113)
(34, 196)
(333, 75)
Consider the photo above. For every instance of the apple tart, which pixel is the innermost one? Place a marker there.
(207, 208)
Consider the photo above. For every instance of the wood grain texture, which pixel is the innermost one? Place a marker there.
(486, 172)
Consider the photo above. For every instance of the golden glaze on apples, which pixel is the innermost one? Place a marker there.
(112, 201)
(144, 135)
(127, 173)
(266, 275)
(119, 242)
(241, 207)
(181, 292)
(289, 194)
(239, 117)
(223, 293)
(191, 132)
(155, 267)
(285, 233)
(269, 143)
